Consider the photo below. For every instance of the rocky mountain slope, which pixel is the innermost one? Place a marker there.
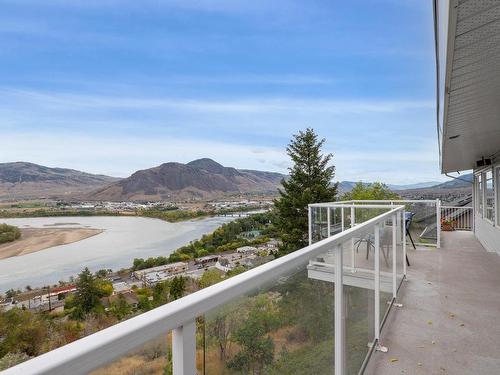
(202, 178)
(22, 180)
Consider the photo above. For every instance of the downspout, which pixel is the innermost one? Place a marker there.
(436, 50)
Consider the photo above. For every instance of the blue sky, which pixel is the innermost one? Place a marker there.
(111, 86)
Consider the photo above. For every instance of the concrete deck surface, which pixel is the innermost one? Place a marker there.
(450, 321)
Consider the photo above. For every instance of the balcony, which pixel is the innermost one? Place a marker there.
(339, 305)
(449, 320)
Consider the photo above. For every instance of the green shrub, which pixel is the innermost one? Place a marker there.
(9, 233)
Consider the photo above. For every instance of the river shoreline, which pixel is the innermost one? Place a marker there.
(123, 239)
(37, 239)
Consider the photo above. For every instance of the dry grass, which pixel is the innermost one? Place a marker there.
(134, 365)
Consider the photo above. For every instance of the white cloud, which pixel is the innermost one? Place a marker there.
(118, 134)
(69, 101)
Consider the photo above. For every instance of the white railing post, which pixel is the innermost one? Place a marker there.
(377, 282)
(394, 245)
(309, 218)
(470, 215)
(184, 349)
(353, 217)
(353, 222)
(328, 220)
(403, 227)
(339, 313)
(438, 224)
(342, 218)
(473, 219)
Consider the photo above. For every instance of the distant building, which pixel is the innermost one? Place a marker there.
(206, 259)
(223, 264)
(63, 291)
(170, 268)
(246, 249)
(130, 297)
(121, 287)
(7, 305)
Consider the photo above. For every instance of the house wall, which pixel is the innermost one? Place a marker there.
(487, 231)
(488, 235)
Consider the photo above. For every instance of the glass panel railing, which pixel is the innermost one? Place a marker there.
(365, 214)
(319, 223)
(385, 267)
(152, 358)
(336, 221)
(421, 216)
(423, 224)
(285, 327)
(359, 326)
(358, 290)
(280, 318)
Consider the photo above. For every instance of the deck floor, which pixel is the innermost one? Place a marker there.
(450, 321)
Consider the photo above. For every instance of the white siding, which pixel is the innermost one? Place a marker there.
(487, 234)
(486, 231)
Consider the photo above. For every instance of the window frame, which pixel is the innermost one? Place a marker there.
(487, 208)
(496, 178)
(479, 194)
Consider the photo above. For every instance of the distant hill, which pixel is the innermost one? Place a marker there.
(464, 181)
(202, 178)
(419, 185)
(453, 192)
(449, 191)
(346, 186)
(22, 180)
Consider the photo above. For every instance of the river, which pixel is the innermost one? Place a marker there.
(123, 239)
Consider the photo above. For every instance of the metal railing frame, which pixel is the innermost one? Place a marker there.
(357, 202)
(101, 348)
(465, 220)
(396, 213)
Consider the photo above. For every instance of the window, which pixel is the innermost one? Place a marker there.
(479, 194)
(490, 197)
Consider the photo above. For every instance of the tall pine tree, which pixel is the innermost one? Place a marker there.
(310, 181)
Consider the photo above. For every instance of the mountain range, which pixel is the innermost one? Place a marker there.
(464, 181)
(346, 186)
(22, 180)
(198, 179)
(202, 178)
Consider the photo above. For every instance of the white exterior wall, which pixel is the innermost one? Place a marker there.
(486, 232)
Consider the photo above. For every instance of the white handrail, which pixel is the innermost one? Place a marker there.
(436, 203)
(98, 349)
(460, 217)
(386, 201)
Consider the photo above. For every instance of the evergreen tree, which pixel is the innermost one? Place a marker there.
(310, 181)
(87, 294)
(177, 287)
(120, 308)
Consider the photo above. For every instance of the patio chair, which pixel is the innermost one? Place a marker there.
(385, 244)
